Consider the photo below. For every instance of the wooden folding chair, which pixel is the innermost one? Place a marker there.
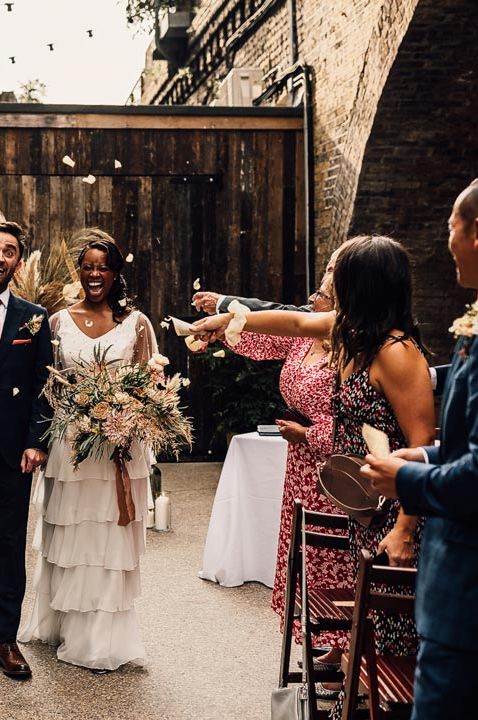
(387, 679)
(326, 609)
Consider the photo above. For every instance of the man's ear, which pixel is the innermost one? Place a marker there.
(19, 266)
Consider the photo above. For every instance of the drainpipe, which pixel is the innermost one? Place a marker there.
(306, 81)
(309, 180)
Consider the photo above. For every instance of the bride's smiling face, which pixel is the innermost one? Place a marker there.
(95, 275)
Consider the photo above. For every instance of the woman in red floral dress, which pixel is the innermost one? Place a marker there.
(306, 383)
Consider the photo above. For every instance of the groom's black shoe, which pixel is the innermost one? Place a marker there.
(12, 661)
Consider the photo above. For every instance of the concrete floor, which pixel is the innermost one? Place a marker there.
(213, 652)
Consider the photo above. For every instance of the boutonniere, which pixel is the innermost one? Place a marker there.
(466, 327)
(33, 325)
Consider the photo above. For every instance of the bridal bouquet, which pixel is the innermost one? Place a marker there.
(103, 405)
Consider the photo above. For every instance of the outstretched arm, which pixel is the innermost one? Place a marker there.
(274, 322)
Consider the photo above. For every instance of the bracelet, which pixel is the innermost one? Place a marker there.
(236, 323)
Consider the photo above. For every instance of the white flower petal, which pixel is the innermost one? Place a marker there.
(15, 391)
(90, 179)
(164, 324)
(118, 164)
(123, 302)
(55, 343)
(129, 258)
(219, 354)
(194, 345)
(186, 382)
(197, 284)
(68, 161)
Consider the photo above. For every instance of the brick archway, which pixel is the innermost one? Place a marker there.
(422, 151)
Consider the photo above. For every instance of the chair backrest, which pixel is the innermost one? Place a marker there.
(399, 597)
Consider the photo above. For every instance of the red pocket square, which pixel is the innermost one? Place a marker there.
(20, 341)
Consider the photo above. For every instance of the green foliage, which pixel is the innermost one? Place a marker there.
(141, 12)
(244, 393)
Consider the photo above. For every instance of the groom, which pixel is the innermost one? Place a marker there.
(25, 351)
(441, 483)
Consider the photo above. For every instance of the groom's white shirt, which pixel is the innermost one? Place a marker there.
(4, 298)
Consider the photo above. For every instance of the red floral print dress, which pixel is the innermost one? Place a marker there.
(307, 388)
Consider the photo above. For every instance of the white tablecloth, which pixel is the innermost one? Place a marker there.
(241, 543)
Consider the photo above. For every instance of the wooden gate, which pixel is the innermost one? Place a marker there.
(212, 193)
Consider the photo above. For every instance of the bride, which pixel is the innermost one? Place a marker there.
(87, 576)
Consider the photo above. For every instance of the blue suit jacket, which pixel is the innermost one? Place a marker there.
(23, 361)
(446, 491)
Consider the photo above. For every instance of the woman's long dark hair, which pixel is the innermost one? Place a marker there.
(373, 292)
(96, 239)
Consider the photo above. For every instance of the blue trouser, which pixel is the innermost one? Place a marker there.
(14, 501)
(445, 683)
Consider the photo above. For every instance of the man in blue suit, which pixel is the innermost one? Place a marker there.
(25, 351)
(441, 483)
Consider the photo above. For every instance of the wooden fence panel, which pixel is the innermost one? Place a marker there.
(223, 202)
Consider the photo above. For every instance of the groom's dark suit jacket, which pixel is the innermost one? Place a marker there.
(23, 366)
(446, 491)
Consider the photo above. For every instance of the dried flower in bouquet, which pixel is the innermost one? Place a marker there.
(106, 406)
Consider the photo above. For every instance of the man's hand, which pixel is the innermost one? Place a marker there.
(383, 474)
(292, 431)
(31, 459)
(206, 301)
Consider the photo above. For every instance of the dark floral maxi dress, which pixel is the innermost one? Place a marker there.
(358, 402)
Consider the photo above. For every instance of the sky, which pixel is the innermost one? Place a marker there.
(101, 70)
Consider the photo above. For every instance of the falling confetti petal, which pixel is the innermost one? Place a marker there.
(15, 391)
(129, 258)
(197, 284)
(90, 179)
(68, 161)
(186, 382)
(123, 302)
(118, 164)
(164, 324)
(55, 342)
(219, 353)
(194, 345)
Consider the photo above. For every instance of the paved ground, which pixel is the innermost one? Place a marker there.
(213, 652)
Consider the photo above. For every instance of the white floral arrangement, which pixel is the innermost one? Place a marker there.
(33, 325)
(467, 324)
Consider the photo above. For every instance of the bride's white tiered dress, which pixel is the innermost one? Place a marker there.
(87, 576)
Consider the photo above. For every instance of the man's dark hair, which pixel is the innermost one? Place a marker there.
(13, 228)
(467, 205)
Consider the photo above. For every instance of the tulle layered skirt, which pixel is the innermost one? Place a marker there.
(87, 575)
